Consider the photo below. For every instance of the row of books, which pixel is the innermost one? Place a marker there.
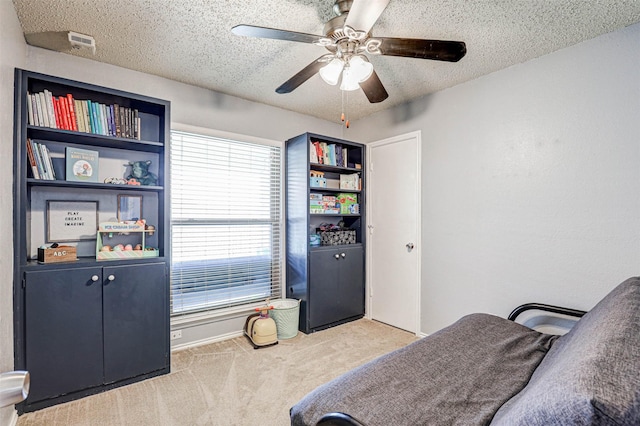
(329, 154)
(81, 164)
(40, 161)
(67, 113)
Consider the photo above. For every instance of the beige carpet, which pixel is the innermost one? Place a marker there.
(230, 383)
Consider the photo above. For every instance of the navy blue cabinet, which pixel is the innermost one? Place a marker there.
(329, 280)
(87, 327)
(63, 316)
(135, 320)
(336, 289)
(84, 326)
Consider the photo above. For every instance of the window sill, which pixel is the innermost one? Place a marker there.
(183, 320)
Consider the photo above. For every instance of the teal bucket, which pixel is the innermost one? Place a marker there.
(285, 313)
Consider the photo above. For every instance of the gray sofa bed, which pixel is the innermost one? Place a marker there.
(488, 370)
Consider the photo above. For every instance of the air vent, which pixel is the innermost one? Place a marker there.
(82, 41)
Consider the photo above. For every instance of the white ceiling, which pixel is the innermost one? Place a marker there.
(190, 41)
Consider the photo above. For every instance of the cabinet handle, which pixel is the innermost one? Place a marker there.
(343, 255)
(337, 256)
(111, 277)
(95, 278)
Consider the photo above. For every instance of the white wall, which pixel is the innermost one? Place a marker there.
(12, 54)
(531, 181)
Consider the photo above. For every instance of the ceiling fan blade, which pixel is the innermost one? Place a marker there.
(273, 33)
(364, 13)
(451, 51)
(373, 88)
(305, 74)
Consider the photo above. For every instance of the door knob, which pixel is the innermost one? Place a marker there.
(343, 255)
(111, 277)
(410, 246)
(95, 278)
(337, 256)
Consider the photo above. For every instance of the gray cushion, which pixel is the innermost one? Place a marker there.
(591, 375)
(458, 376)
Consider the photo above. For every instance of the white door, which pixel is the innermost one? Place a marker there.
(393, 240)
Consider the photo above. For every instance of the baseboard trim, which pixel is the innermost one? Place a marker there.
(201, 342)
(13, 420)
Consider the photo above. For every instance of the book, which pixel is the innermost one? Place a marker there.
(48, 164)
(92, 123)
(81, 165)
(45, 110)
(32, 160)
(116, 113)
(313, 155)
(103, 119)
(72, 113)
(30, 108)
(136, 124)
(85, 112)
(56, 110)
(37, 158)
(34, 107)
(95, 127)
(79, 116)
(325, 153)
(332, 154)
(50, 112)
(42, 164)
(64, 113)
(40, 120)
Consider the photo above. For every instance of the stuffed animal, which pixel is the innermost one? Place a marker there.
(140, 172)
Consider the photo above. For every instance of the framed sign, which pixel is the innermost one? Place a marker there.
(71, 220)
(129, 207)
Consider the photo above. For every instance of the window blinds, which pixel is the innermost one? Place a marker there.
(225, 222)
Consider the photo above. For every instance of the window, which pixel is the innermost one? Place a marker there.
(225, 222)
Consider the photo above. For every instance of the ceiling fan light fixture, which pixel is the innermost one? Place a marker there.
(349, 80)
(361, 68)
(330, 73)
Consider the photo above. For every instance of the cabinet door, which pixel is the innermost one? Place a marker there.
(63, 330)
(351, 282)
(135, 320)
(323, 288)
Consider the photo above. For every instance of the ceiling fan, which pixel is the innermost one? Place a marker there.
(348, 39)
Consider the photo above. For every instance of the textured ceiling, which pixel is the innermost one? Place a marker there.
(190, 41)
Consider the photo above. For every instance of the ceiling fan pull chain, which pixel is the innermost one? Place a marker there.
(347, 109)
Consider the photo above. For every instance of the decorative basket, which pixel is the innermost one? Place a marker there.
(336, 238)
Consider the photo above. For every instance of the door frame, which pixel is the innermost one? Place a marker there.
(417, 136)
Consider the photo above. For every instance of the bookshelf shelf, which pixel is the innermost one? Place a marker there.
(69, 184)
(328, 279)
(89, 325)
(90, 139)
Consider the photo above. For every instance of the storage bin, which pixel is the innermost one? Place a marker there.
(285, 313)
(317, 182)
(336, 238)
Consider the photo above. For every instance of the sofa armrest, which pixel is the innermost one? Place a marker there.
(547, 319)
(547, 308)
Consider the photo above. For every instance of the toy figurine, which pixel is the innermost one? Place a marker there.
(140, 172)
